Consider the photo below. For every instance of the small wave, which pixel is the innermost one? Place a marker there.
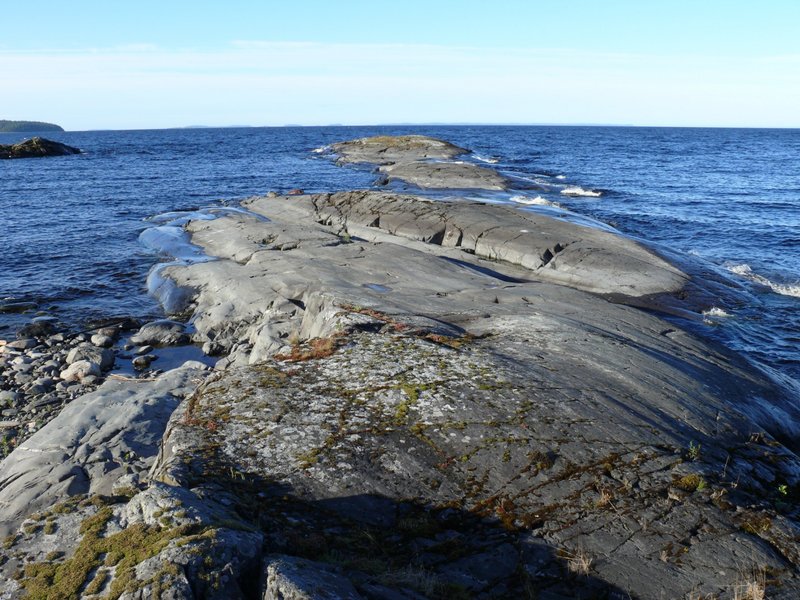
(744, 270)
(716, 313)
(538, 200)
(576, 190)
(321, 149)
(491, 160)
(562, 177)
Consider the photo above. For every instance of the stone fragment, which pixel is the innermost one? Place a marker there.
(79, 370)
(103, 341)
(104, 357)
(23, 344)
(293, 578)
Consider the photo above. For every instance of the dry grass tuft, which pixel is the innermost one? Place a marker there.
(315, 349)
(751, 586)
(605, 497)
(579, 562)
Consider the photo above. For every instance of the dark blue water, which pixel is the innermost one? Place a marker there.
(729, 198)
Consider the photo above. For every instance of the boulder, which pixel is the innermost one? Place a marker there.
(81, 370)
(103, 357)
(161, 333)
(36, 147)
(293, 578)
(102, 341)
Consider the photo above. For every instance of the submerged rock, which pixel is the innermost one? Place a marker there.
(36, 147)
(161, 333)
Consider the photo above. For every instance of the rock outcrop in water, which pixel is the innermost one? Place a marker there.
(36, 147)
(421, 161)
(419, 400)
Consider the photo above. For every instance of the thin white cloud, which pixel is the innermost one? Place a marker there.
(261, 82)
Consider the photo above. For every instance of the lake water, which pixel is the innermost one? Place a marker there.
(729, 198)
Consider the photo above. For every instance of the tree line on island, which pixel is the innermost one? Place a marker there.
(7, 126)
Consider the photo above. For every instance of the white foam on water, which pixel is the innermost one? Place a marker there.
(744, 270)
(321, 149)
(562, 177)
(576, 190)
(538, 201)
(716, 312)
(490, 160)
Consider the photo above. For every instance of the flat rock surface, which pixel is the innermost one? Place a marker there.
(96, 439)
(469, 404)
(385, 149)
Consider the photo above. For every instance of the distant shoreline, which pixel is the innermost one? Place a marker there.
(27, 126)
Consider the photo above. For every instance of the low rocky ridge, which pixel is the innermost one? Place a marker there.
(418, 400)
(36, 147)
(388, 150)
(422, 161)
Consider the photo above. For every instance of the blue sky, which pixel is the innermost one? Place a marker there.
(89, 65)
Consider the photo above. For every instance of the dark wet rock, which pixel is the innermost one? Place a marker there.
(143, 362)
(161, 333)
(38, 328)
(36, 147)
(17, 307)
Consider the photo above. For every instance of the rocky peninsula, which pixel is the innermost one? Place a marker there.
(415, 398)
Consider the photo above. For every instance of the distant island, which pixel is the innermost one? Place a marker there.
(25, 126)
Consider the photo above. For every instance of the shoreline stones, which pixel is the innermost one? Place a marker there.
(41, 374)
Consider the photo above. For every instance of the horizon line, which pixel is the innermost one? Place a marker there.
(436, 124)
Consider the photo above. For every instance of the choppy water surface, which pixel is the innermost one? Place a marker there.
(728, 197)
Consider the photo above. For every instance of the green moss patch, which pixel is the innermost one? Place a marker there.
(82, 572)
